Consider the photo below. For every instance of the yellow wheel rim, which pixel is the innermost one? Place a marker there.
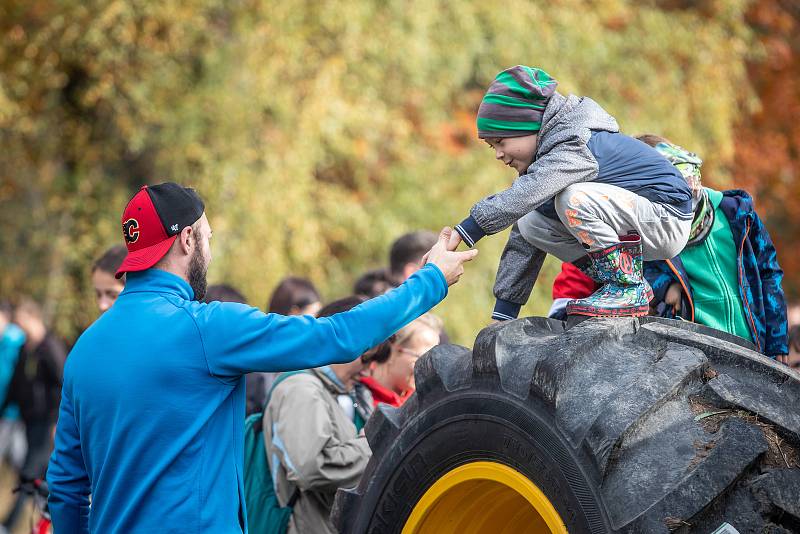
(484, 497)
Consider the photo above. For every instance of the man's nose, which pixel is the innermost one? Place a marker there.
(498, 154)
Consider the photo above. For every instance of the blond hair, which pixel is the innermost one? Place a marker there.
(407, 333)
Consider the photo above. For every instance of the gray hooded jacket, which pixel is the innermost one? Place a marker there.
(313, 446)
(562, 159)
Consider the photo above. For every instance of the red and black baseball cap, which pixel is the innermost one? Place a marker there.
(152, 221)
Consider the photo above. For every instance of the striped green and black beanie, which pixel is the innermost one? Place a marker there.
(514, 104)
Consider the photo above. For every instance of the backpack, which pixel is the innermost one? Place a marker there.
(264, 513)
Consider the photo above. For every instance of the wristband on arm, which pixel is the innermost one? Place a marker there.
(505, 310)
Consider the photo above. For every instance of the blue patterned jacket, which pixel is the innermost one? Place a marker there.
(759, 277)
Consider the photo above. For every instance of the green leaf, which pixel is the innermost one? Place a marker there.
(709, 414)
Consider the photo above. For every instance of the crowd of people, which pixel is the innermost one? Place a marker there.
(329, 445)
(32, 359)
(637, 231)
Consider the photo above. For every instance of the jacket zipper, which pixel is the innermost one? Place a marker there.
(685, 289)
(741, 286)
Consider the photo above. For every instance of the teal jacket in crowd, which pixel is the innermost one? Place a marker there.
(151, 422)
(11, 341)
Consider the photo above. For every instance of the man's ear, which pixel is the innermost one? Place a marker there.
(186, 240)
(409, 269)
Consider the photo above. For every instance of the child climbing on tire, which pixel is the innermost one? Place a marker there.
(586, 193)
(728, 276)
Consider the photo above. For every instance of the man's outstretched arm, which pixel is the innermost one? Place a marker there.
(240, 339)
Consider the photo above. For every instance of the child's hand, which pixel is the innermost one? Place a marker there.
(673, 297)
(454, 241)
(449, 262)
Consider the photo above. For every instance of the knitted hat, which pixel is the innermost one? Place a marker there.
(514, 104)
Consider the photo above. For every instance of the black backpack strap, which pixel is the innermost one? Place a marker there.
(293, 499)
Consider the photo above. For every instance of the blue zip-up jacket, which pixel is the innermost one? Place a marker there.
(11, 341)
(151, 422)
(759, 276)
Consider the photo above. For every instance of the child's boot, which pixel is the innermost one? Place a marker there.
(625, 291)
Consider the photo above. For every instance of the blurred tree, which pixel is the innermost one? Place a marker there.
(317, 131)
(768, 140)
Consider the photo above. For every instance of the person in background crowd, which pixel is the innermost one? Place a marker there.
(793, 314)
(373, 283)
(794, 347)
(727, 277)
(292, 296)
(223, 293)
(12, 433)
(106, 287)
(172, 368)
(36, 389)
(406, 253)
(311, 432)
(106, 290)
(295, 296)
(391, 373)
(255, 394)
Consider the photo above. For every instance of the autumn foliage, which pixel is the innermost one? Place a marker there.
(318, 131)
(768, 140)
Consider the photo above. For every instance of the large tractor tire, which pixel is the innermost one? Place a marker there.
(613, 425)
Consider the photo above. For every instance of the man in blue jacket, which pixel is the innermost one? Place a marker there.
(151, 422)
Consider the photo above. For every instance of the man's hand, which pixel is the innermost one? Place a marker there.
(449, 262)
(783, 358)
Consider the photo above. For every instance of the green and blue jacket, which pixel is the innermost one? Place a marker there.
(759, 276)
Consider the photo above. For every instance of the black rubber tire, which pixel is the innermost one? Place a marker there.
(604, 417)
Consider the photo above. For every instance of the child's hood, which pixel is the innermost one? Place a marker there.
(737, 204)
(687, 162)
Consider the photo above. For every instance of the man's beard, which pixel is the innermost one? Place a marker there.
(197, 274)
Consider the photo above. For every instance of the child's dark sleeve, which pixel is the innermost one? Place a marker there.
(570, 162)
(519, 267)
(777, 342)
(660, 278)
